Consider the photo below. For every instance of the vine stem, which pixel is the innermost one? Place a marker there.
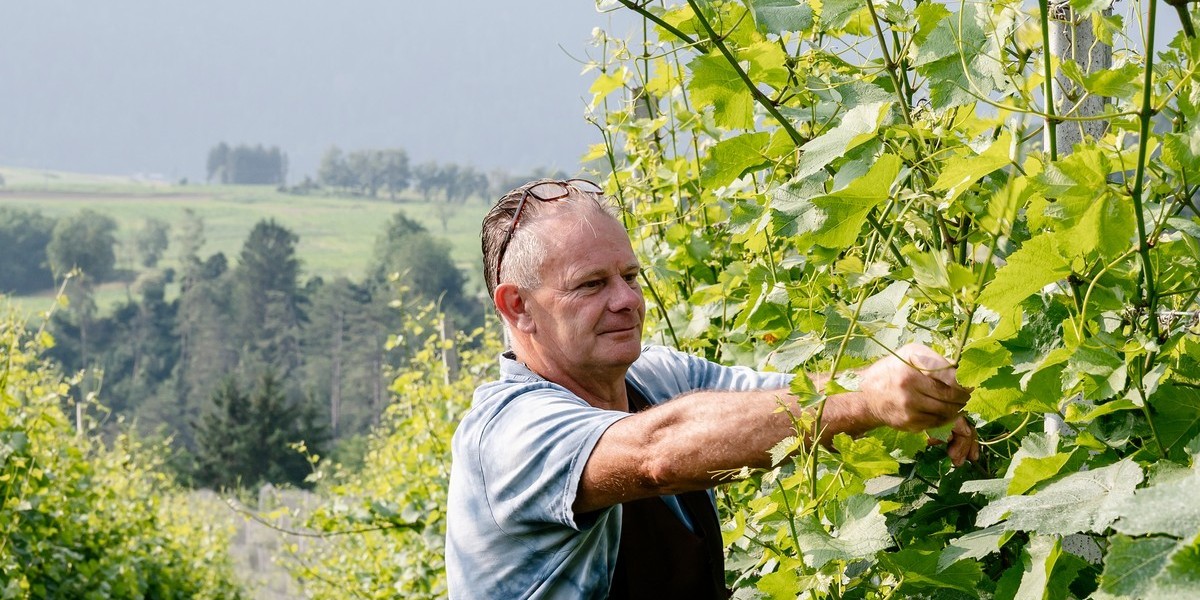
(889, 65)
(1146, 291)
(1185, 19)
(1048, 99)
(757, 94)
(1144, 115)
(641, 10)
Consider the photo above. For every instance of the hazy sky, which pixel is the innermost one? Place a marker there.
(148, 86)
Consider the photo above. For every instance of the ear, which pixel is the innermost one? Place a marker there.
(513, 309)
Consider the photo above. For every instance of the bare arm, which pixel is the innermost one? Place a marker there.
(678, 446)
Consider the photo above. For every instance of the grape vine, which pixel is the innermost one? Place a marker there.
(812, 185)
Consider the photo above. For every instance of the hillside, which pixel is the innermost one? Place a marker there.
(336, 233)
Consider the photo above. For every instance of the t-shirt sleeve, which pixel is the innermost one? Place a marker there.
(669, 373)
(532, 454)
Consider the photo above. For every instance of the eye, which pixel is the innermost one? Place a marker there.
(631, 278)
(592, 283)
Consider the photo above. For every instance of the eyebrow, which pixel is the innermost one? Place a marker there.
(601, 272)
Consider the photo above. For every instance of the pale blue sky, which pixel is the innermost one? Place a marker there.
(148, 86)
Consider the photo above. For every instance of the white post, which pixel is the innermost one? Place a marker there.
(1071, 37)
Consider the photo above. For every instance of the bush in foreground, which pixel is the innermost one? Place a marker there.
(82, 519)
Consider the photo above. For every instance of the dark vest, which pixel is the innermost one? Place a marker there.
(659, 557)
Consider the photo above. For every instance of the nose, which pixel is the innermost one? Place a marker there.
(626, 296)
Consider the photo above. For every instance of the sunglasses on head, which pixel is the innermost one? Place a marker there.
(547, 191)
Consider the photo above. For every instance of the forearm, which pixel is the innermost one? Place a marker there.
(709, 432)
(684, 444)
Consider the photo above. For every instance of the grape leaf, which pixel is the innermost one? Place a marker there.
(731, 158)
(846, 209)
(1180, 579)
(980, 361)
(766, 63)
(1117, 83)
(1029, 269)
(862, 532)
(1107, 225)
(716, 83)
(865, 457)
(960, 172)
(1177, 414)
(1169, 508)
(1047, 569)
(1033, 470)
(920, 573)
(858, 126)
(1083, 501)
(974, 545)
(781, 16)
(1132, 563)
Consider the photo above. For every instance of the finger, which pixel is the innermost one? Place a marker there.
(932, 364)
(940, 391)
(963, 442)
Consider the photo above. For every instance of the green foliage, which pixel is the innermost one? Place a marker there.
(243, 440)
(384, 525)
(24, 235)
(83, 241)
(421, 262)
(79, 519)
(249, 165)
(365, 171)
(811, 185)
(151, 241)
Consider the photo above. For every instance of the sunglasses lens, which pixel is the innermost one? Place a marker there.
(584, 185)
(551, 190)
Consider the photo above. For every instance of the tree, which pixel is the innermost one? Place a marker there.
(85, 241)
(218, 158)
(246, 439)
(24, 236)
(266, 298)
(425, 176)
(346, 352)
(152, 240)
(364, 172)
(333, 171)
(222, 439)
(423, 264)
(251, 165)
(395, 171)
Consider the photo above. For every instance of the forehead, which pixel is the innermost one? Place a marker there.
(578, 241)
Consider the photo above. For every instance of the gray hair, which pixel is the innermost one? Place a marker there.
(526, 249)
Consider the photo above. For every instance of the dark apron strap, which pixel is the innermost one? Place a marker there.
(659, 557)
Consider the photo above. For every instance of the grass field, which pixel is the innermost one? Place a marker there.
(337, 234)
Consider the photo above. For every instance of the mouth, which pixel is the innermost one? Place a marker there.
(636, 327)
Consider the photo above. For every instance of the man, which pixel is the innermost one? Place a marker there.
(582, 472)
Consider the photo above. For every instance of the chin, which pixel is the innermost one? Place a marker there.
(627, 352)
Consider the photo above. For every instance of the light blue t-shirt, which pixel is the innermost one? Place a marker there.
(518, 457)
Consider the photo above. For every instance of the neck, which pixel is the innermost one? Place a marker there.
(603, 389)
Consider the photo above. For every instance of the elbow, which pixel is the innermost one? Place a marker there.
(656, 476)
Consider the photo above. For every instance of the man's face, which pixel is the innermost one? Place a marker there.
(589, 309)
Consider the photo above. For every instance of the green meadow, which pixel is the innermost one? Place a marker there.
(336, 233)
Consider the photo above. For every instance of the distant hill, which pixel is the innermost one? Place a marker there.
(337, 233)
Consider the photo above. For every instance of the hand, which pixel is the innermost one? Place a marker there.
(964, 443)
(916, 391)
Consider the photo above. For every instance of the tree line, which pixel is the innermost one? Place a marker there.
(366, 172)
(248, 357)
(42, 249)
(244, 164)
(369, 172)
